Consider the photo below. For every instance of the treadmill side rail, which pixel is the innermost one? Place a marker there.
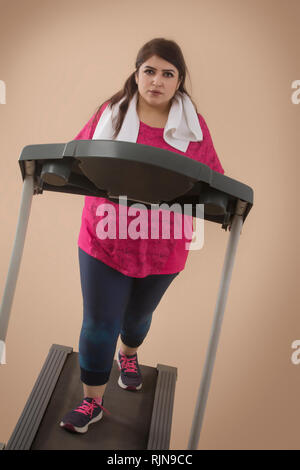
(29, 421)
(161, 421)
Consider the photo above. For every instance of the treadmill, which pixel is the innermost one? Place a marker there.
(147, 175)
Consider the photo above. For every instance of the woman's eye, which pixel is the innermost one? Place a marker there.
(169, 73)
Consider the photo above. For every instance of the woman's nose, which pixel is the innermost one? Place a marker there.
(157, 80)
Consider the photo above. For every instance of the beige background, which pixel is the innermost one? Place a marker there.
(60, 60)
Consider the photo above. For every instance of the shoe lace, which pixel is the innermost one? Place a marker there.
(87, 408)
(128, 363)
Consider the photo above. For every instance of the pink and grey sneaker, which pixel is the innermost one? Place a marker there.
(89, 411)
(130, 377)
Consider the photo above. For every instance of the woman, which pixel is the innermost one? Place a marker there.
(124, 279)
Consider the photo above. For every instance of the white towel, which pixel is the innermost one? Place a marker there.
(181, 128)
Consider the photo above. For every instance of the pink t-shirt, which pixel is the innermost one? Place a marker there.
(145, 255)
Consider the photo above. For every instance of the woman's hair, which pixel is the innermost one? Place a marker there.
(165, 49)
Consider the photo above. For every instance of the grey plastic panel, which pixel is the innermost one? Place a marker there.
(147, 174)
(140, 154)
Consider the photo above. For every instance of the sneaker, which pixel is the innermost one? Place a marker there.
(79, 419)
(131, 377)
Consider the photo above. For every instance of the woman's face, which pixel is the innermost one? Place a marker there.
(159, 75)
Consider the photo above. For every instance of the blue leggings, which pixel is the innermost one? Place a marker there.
(113, 304)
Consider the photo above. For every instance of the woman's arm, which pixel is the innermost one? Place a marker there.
(88, 130)
(211, 156)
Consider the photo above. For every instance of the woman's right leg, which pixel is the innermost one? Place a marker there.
(105, 293)
(93, 392)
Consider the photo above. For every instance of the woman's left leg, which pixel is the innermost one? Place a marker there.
(145, 296)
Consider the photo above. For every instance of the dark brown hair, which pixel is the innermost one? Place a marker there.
(165, 49)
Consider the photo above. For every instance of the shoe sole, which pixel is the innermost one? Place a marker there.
(70, 427)
(126, 387)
